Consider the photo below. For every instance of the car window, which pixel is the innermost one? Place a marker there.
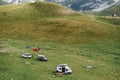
(66, 69)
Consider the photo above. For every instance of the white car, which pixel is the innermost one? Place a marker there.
(63, 68)
(42, 57)
(27, 55)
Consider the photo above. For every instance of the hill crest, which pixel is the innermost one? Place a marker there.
(34, 11)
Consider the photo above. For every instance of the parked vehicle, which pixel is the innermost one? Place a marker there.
(42, 57)
(27, 55)
(63, 68)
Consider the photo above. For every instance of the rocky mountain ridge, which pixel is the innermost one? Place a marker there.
(78, 5)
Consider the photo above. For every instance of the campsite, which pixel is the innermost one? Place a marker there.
(89, 45)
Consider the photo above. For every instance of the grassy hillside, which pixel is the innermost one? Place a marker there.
(110, 20)
(108, 12)
(32, 11)
(46, 21)
(64, 36)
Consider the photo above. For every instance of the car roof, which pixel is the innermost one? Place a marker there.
(62, 65)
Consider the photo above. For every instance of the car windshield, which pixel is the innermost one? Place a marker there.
(63, 65)
(27, 54)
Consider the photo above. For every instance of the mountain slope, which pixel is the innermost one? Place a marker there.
(108, 12)
(3, 2)
(84, 5)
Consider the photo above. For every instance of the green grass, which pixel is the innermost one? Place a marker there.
(63, 37)
(110, 20)
(100, 54)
